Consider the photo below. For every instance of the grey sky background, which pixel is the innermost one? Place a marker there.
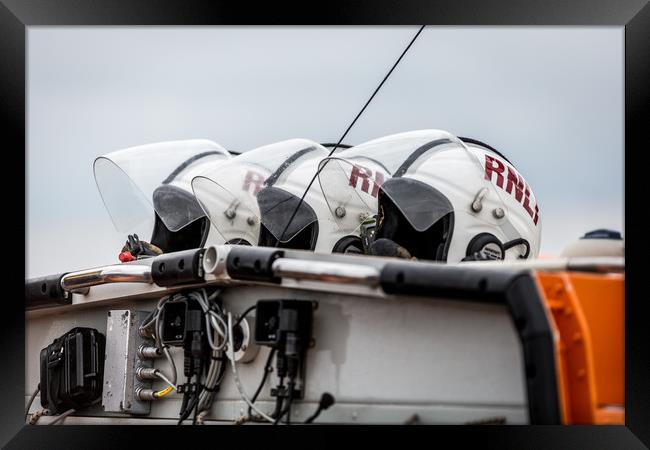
(549, 98)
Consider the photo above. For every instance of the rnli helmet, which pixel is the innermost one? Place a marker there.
(240, 197)
(146, 190)
(349, 182)
(294, 211)
(455, 199)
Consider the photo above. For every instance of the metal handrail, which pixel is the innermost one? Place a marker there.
(122, 273)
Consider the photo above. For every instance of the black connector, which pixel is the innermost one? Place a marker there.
(284, 323)
(286, 326)
(183, 325)
(326, 400)
(180, 318)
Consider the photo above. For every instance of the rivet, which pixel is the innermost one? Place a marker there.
(251, 221)
(340, 212)
(477, 204)
(498, 213)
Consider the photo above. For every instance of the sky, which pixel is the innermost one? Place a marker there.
(549, 98)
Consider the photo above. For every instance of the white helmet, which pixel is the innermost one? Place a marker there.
(452, 201)
(146, 189)
(349, 183)
(231, 194)
(291, 223)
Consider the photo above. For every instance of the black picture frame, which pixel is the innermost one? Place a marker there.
(634, 15)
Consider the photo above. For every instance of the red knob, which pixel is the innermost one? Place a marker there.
(126, 257)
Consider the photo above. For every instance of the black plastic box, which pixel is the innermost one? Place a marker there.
(275, 318)
(72, 370)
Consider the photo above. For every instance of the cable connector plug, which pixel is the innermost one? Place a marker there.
(326, 400)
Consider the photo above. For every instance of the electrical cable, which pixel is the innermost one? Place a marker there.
(287, 409)
(62, 417)
(153, 315)
(279, 400)
(200, 400)
(326, 400)
(199, 391)
(163, 392)
(164, 348)
(291, 387)
(267, 370)
(216, 367)
(31, 400)
(244, 314)
(184, 403)
(37, 415)
(193, 399)
(171, 363)
(320, 168)
(154, 319)
(233, 365)
(211, 319)
(162, 376)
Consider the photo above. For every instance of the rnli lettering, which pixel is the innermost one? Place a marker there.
(367, 177)
(515, 184)
(253, 182)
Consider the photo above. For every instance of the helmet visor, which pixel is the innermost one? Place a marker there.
(128, 182)
(350, 188)
(421, 205)
(229, 193)
(277, 207)
(351, 181)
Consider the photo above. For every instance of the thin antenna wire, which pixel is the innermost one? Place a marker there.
(295, 211)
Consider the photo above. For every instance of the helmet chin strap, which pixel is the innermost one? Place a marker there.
(516, 242)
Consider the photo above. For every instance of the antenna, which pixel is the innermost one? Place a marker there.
(295, 211)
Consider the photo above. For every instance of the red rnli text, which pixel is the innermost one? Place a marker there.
(366, 176)
(515, 184)
(253, 182)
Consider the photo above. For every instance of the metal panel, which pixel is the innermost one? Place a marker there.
(384, 359)
(122, 343)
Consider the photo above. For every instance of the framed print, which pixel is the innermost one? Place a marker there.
(364, 214)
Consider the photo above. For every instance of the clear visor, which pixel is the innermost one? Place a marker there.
(421, 204)
(230, 194)
(423, 207)
(350, 182)
(230, 204)
(278, 207)
(350, 188)
(137, 181)
(284, 215)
